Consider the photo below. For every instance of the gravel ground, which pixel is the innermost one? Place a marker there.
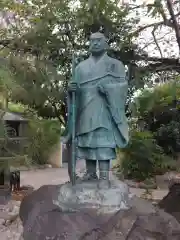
(10, 224)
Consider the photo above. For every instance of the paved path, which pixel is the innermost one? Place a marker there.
(37, 178)
(40, 177)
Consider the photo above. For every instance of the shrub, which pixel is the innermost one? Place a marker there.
(157, 106)
(143, 158)
(168, 137)
(43, 135)
(159, 110)
(157, 100)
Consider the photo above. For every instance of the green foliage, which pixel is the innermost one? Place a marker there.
(45, 34)
(159, 109)
(24, 110)
(17, 108)
(142, 158)
(158, 99)
(38, 49)
(43, 135)
(168, 136)
(40, 54)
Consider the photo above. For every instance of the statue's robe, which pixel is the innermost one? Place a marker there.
(101, 124)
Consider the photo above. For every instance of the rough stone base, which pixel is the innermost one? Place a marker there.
(171, 202)
(44, 219)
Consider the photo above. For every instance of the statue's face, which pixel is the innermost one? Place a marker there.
(97, 44)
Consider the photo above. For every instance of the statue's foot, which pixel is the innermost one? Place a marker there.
(77, 178)
(89, 177)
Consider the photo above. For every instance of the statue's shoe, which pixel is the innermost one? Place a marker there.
(88, 177)
(77, 178)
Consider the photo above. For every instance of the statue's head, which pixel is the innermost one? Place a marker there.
(98, 43)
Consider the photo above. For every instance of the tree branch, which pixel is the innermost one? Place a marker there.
(156, 42)
(142, 28)
(152, 64)
(159, 67)
(165, 22)
(175, 23)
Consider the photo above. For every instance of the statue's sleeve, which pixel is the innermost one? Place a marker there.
(115, 93)
(115, 96)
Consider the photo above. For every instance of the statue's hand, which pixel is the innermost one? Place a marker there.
(66, 139)
(101, 89)
(73, 87)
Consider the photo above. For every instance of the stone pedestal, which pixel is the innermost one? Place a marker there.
(88, 211)
(105, 197)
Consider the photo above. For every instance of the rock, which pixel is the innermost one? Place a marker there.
(5, 216)
(144, 185)
(44, 166)
(18, 203)
(9, 213)
(43, 219)
(142, 206)
(168, 179)
(170, 203)
(2, 221)
(12, 231)
(14, 211)
(44, 193)
(48, 166)
(10, 224)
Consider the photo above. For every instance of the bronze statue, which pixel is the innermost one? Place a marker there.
(100, 87)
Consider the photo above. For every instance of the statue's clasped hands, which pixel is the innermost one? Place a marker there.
(101, 89)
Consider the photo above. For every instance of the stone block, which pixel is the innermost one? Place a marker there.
(43, 218)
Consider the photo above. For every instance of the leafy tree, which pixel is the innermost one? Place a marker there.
(40, 51)
(40, 37)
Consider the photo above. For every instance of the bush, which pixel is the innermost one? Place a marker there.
(43, 135)
(168, 137)
(159, 110)
(143, 158)
(157, 100)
